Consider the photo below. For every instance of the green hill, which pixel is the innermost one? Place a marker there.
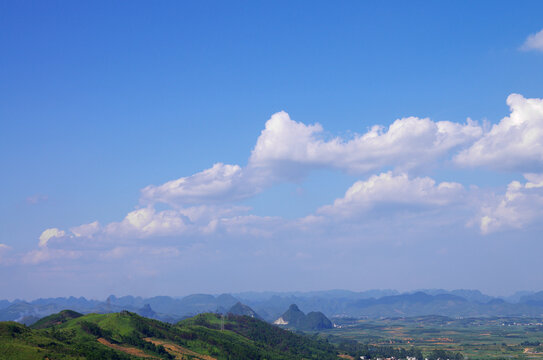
(126, 335)
(20, 342)
(55, 319)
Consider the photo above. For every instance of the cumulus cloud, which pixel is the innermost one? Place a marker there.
(521, 205)
(515, 143)
(534, 180)
(388, 189)
(203, 204)
(49, 234)
(86, 230)
(148, 222)
(534, 42)
(117, 239)
(220, 183)
(287, 150)
(406, 143)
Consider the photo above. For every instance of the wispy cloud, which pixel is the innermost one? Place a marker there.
(36, 199)
(45, 254)
(533, 42)
(4, 248)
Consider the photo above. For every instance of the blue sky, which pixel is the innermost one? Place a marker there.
(103, 105)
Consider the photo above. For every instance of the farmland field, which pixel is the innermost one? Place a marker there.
(476, 338)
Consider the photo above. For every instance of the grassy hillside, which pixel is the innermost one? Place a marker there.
(266, 341)
(125, 335)
(55, 319)
(20, 342)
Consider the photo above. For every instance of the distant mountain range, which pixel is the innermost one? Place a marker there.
(271, 305)
(390, 303)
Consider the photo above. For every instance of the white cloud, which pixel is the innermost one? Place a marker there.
(287, 150)
(86, 230)
(200, 205)
(515, 143)
(522, 204)
(49, 234)
(534, 42)
(387, 189)
(406, 143)
(3, 249)
(252, 225)
(119, 252)
(116, 253)
(220, 183)
(7, 257)
(534, 180)
(45, 254)
(35, 199)
(203, 214)
(162, 252)
(147, 222)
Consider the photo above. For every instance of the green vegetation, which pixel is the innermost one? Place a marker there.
(245, 337)
(20, 342)
(358, 350)
(55, 319)
(126, 335)
(475, 338)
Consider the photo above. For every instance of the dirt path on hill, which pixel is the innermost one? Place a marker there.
(178, 351)
(125, 349)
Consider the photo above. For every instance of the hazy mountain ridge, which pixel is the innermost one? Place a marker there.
(270, 305)
(244, 310)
